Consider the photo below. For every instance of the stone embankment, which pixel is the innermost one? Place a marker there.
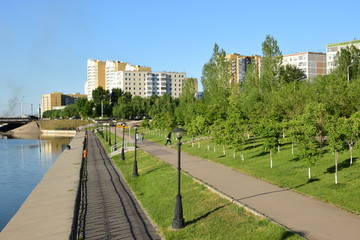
(48, 211)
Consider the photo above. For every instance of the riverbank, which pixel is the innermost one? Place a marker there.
(48, 211)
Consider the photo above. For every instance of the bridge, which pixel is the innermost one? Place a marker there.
(7, 124)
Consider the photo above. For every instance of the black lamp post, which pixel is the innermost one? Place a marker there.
(135, 168)
(109, 134)
(115, 148)
(122, 156)
(106, 134)
(178, 221)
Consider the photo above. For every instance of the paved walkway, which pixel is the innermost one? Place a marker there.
(310, 218)
(112, 211)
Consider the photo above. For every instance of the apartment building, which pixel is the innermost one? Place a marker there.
(312, 63)
(146, 84)
(138, 80)
(54, 100)
(95, 76)
(333, 48)
(239, 65)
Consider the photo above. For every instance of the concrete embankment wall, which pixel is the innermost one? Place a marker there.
(48, 211)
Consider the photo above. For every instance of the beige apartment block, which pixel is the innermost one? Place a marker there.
(332, 50)
(238, 65)
(55, 100)
(146, 84)
(312, 63)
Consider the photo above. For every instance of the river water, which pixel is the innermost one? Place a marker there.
(23, 163)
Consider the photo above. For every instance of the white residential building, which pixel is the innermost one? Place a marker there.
(333, 48)
(312, 63)
(139, 81)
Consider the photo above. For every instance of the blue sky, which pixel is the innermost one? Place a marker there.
(44, 44)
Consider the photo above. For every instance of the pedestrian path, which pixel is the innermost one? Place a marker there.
(112, 211)
(311, 218)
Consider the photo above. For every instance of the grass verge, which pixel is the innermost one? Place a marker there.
(207, 215)
(287, 170)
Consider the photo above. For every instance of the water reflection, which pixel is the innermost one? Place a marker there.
(23, 163)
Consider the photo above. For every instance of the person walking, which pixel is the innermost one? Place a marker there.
(142, 137)
(168, 139)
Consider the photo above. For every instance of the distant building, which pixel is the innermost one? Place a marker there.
(55, 100)
(333, 48)
(95, 76)
(239, 65)
(312, 63)
(138, 80)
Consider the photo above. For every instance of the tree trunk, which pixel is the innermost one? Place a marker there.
(224, 150)
(242, 157)
(199, 144)
(214, 148)
(248, 136)
(309, 173)
(292, 147)
(271, 163)
(351, 155)
(336, 167)
(234, 154)
(278, 148)
(208, 147)
(283, 134)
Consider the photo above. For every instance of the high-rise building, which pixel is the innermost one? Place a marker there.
(138, 80)
(239, 64)
(57, 99)
(333, 48)
(312, 63)
(95, 76)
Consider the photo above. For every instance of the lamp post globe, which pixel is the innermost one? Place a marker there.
(178, 221)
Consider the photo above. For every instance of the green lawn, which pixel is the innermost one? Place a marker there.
(207, 215)
(289, 172)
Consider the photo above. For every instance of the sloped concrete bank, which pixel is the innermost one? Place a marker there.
(48, 211)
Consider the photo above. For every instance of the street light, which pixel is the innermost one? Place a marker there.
(178, 221)
(115, 148)
(348, 71)
(122, 156)
(109, 134)
(135, 168)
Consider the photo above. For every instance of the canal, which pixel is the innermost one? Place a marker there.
(23, 163)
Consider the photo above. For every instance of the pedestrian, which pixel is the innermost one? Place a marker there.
(168, 139)
(142, 137)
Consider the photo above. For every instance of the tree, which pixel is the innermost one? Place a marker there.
(85, 107)
(270, 130)
(215, 80)
(101, 99)
(348, 62)
(290, 73)
(270, 65)
(351, 130)
(305, 131)
(336, 138)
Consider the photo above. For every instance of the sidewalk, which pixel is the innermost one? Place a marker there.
(311, 218)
